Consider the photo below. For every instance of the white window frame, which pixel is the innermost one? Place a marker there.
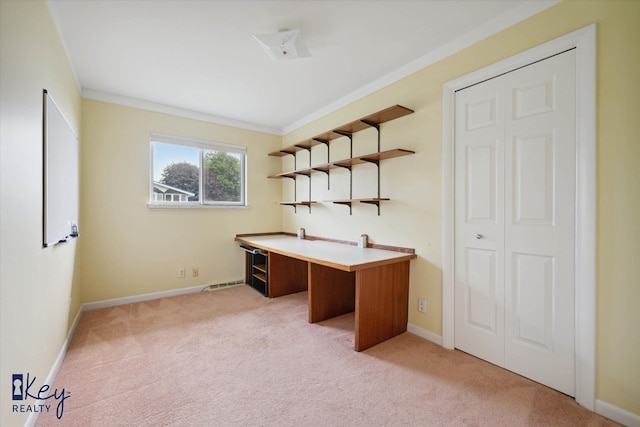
(201, 145)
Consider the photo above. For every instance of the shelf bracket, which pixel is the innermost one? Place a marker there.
(342, 132)
(308, 175)
(327, 173)
(372, 202)
(302, 147)
(376, 126)
(325, 142)
(343, 166)
(373, 161)
(348, 135)
(348, 167)
(295, 181)
(377, 163)
(346, 204)
(295, 205)
(320, 170)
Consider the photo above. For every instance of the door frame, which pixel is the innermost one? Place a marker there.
(584, 42)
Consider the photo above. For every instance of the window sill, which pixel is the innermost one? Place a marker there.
(193, 206)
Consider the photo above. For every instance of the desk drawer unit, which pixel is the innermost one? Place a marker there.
(257, 269)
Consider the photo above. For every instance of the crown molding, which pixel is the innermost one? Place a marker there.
(176, 111)
(526, 10)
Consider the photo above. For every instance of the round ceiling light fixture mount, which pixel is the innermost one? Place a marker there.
(284, 44)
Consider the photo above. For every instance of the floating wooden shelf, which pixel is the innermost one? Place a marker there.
(307, 203)
(261, 276)
(371, 120)
(295, 205)
(368, 158)
(372, 200)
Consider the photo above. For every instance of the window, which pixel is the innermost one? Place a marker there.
(192, 173)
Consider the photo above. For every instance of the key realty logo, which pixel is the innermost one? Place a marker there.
(26, 399)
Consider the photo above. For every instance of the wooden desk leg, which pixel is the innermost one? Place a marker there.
(331, 292)
(382, 310)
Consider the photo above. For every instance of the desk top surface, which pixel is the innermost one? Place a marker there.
(337, 255)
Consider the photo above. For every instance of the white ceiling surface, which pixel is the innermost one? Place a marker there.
(200, 57)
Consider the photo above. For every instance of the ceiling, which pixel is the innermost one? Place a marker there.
(200, 56)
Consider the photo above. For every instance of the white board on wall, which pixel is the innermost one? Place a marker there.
(60, 195)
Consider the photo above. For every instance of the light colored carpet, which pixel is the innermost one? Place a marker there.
(234, 358)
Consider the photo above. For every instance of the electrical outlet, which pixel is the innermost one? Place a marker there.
(182, 273)
(194, 272)
(422, 305)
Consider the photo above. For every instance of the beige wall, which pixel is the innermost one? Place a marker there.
(618, 269)
(38, 293)
(414, 216)
(124, 254)
(129, 249)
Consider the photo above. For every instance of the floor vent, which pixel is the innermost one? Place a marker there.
(218, 286)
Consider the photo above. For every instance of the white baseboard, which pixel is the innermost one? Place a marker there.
(616, 414)
(33, 417)
(423, 333)
(144, 297)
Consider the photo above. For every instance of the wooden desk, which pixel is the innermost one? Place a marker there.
(341, 278)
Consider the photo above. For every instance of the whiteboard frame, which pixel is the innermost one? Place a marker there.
(60, 196)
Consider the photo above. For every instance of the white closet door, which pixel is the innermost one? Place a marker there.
(515, 231)
(479, 221)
